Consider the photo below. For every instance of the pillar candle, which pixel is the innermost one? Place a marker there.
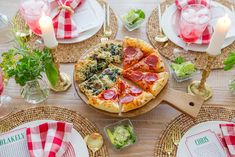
(220, 31)
(48, 33)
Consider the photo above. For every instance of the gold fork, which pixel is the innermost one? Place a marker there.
(176, 136)
(169, 146)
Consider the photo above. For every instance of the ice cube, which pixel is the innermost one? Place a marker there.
(186, 15)
(193, 19)
(203, 11)
(203, 19)
(190, 11)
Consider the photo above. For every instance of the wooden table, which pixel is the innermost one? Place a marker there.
(148, 126)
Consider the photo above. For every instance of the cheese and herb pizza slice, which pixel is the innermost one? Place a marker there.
(92, 86)
(102, 58)
(134, 50)
(84, 69)
(151, 82)
(115, 50)
(110, 75)
(131, 97)
(107, 100)
(152, 63)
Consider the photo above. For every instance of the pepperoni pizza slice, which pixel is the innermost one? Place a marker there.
(152, 63)
(107, 100)
(131, 97)
(151, 82)
(134, 50)
(123, 97)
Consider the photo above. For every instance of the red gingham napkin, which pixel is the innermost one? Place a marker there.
(48, 139)
(206, 36)
(65, 27)
(228, 131)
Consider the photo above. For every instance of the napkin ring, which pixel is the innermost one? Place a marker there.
(65, 7)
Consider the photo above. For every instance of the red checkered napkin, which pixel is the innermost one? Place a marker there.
(65, 27)
(206, 36)
(48, 139)
(228, 131)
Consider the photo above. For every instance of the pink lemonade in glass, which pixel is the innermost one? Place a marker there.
(32, 10)
(193, 22)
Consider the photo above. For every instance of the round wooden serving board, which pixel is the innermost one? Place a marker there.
(181, 101)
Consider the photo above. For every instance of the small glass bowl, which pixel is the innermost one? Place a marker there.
(182, 79)
(111, 127)
(131, 27)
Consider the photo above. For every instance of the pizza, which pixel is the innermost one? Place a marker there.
(110, 75)
(102, 58)
(97, 60)
(122, 97)
(121, 76)
(152, 63)
(107, 100)
(134, 50)
(114, 49)
(93, 86)
(84, 69)
(151, 82)
(131, 97)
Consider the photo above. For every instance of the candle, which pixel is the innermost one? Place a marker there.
(220, 31)
(48, 33)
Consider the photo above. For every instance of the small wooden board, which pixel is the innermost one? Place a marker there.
(185, 103)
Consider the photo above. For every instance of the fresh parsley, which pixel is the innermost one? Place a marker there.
(229, 62)
(24, 65)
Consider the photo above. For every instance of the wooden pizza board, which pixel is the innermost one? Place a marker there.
(184, 102)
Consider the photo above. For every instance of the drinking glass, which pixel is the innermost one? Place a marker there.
(32, 10)
(194, 20)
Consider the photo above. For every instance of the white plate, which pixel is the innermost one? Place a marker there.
(212, 125)
(75, 138)
(99, 12)
(169, 30)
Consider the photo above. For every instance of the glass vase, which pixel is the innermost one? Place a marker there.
(231, 86)
(35, 91)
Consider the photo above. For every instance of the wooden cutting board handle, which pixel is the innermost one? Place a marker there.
(184, 102)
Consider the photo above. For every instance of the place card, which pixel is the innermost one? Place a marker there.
(205, 144)
(14, 144)
(85, 17)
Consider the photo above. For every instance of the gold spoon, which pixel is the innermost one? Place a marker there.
(94, 142)
(107, 32)
(161, 37)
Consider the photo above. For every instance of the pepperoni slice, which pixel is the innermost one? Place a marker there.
(136, 75)
(127, 99)
(152, 61)
(122, 87)
(109, 94)
(135, 91)
(150, 77)
(130, 51)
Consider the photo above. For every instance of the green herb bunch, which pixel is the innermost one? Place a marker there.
(229, 62)
(25, 64)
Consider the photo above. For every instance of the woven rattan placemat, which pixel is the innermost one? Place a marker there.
(80, 123)
(70, 53)
(184, 123)
(199, 58)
